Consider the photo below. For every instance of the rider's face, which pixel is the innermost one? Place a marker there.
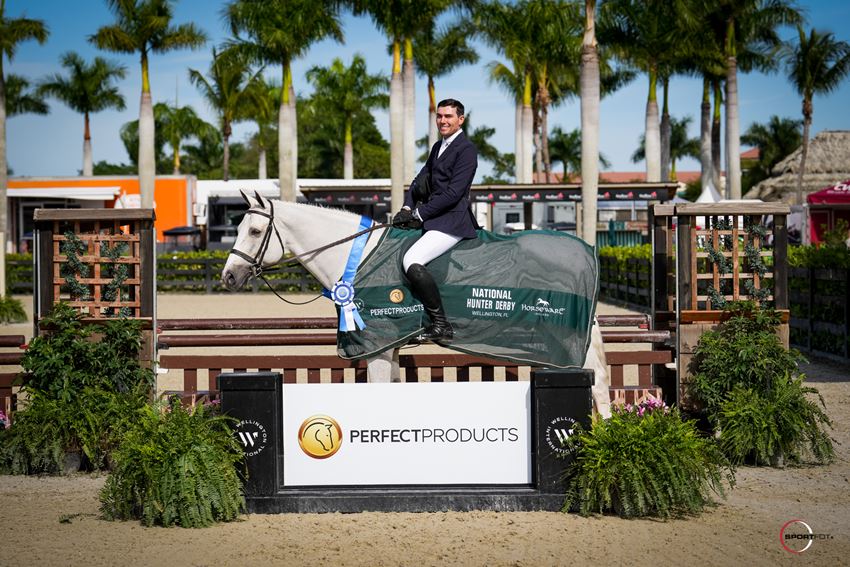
(448, 122)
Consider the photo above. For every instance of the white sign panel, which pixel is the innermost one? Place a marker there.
(417, 433)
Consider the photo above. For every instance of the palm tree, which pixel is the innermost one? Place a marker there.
(88, 88)
(178, 124)
(816, 65)
(262, 107)
(554, 27)
(13, 31)
(775, 141)
(680, 145)
(225, 89)
(643, 34)
(144, 27)
(590, 96)
(20, 100)
(347, 91)
(438, 53)
(745, 26)
(276, 32)
(502, 27)
(512, 82)
(565, 147)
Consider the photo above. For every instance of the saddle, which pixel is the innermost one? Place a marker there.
(529, 297)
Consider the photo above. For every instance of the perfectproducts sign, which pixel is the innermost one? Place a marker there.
(417, 433)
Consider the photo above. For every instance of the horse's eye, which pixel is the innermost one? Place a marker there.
(256, 232)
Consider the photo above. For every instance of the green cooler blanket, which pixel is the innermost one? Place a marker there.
(528, 297)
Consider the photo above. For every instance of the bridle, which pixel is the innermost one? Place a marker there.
(256, 261)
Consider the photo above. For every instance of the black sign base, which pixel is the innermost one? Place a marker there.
(559, 400)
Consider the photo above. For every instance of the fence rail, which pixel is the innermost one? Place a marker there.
(626, 284)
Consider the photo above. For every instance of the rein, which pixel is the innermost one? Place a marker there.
(256, 261)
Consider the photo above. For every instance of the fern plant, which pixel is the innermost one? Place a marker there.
(176, 466)
(11, 310)
(759, 428)
(644, 461)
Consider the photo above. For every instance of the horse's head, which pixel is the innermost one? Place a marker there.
(258, 245)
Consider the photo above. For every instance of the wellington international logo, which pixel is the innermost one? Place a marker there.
(320, 436)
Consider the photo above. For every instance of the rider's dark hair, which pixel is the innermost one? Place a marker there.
(456, 104)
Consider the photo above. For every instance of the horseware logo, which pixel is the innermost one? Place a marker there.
(253, 436)
(320, 436)
(541, 303)
(396, 296)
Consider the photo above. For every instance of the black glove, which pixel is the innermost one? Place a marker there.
(405, 219)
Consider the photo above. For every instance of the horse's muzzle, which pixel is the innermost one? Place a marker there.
(229, 280)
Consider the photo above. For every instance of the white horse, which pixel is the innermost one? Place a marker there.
(269, 226)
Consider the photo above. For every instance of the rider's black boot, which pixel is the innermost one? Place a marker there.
(425, 288)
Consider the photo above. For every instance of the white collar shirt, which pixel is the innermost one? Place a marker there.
(447, 142)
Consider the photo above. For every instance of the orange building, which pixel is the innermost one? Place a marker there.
(173, 199)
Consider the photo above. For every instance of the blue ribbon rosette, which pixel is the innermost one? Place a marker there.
(343, 291)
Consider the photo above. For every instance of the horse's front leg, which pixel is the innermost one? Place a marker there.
(597, 362)
(384, 367)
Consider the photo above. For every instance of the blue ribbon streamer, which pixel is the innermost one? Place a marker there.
(349, 317)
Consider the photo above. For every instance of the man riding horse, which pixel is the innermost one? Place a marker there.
(438, 203)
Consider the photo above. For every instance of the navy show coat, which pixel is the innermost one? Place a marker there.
(448, 208)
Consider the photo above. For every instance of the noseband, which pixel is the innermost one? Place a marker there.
(256, 261)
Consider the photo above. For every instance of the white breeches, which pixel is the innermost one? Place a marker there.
(430, 245)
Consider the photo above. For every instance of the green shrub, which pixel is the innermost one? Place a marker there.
(750, 388)
(760, 427)
(11, 310)
(79, 394)
(176, 466)
(742, 350)
(66, 359)
(644, 461)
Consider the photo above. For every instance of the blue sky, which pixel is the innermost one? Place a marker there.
(52, 145)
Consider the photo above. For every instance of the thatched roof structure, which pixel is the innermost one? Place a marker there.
(827, 163)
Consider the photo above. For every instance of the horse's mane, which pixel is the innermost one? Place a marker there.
(342, 213)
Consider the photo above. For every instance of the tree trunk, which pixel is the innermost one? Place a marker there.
(665, 133)
(527, 133)
(396, 133)
(225, 160)
(409, 89)
(4, 180)
(538, 144)
(88, 168)
(262, 169)
(284, 139)
(733, 136)
(652, 135)
(705, 135)
(807, 122)
(176, 159)
(293, 128)
(544, 127)
(716, 152)
(589, 92)
(348, 153)
(519, 163)
(433, 133)
(147, 155)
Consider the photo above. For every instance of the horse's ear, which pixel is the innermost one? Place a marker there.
(245, 197)
(260, 199)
